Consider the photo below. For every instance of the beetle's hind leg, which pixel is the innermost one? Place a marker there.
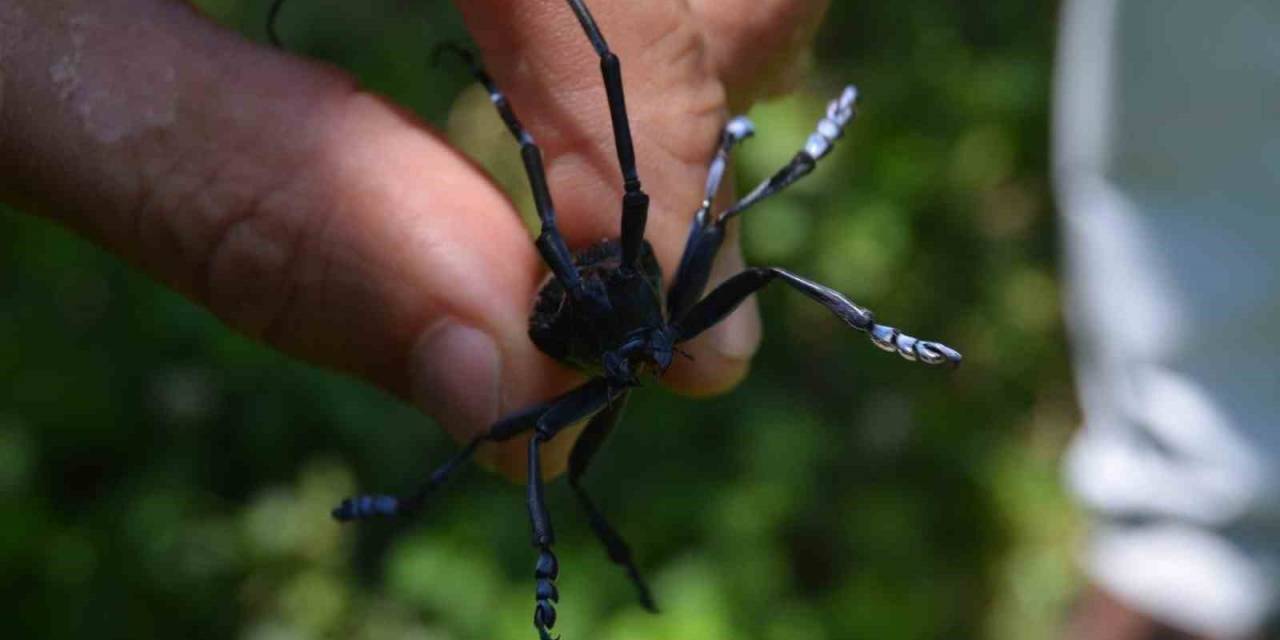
(550, 242)
(725, 298)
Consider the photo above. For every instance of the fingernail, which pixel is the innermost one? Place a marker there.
(456, 377)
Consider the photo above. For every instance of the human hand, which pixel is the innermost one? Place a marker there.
(331, 225)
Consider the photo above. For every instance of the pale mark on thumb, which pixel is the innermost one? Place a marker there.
(12, 22)
(117, 101)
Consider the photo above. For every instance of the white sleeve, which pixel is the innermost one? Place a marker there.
(1167, 166)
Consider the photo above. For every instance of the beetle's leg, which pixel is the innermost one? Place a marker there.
(635, 202)
(706, 233)
(587, 400)
(550, 242)
(374, 505)
(840, 112)
(368, 506)
(583, 450)
(547, 569)
(729, 295)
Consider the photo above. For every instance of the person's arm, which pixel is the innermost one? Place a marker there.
(332, 225)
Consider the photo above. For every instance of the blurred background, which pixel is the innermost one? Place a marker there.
(161, 476)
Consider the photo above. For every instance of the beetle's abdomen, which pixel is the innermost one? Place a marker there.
(558, 329)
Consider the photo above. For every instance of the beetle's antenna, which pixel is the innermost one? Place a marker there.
(551, 244)
(449, 47)
(272, 14)
(840, 112)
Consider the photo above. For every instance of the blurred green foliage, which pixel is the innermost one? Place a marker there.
(162, 477)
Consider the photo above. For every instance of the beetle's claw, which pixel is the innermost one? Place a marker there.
(938, 353)
(365, 507)
(913, 349)
(545, 574)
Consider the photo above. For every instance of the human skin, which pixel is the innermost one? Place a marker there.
(321, 220)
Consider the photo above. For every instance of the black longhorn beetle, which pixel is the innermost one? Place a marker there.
(601, 311)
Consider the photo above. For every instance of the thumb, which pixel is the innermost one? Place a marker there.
(301, 211)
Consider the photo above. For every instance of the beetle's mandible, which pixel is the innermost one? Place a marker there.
(603, 311)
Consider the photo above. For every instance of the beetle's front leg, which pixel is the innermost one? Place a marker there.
(548, 567)
(725, 298)
(587, 401)
(369, 506)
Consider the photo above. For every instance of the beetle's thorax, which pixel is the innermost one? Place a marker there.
(630, 339)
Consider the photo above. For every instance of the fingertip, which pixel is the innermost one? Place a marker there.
(510, 459)
(456, 377)
(705, 375)
(719, 359)
(738, 337)
(506, 459)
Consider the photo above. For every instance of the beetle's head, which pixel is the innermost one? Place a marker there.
(661, 347)
(647, 351)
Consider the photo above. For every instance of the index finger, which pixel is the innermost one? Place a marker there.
(544, 63)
